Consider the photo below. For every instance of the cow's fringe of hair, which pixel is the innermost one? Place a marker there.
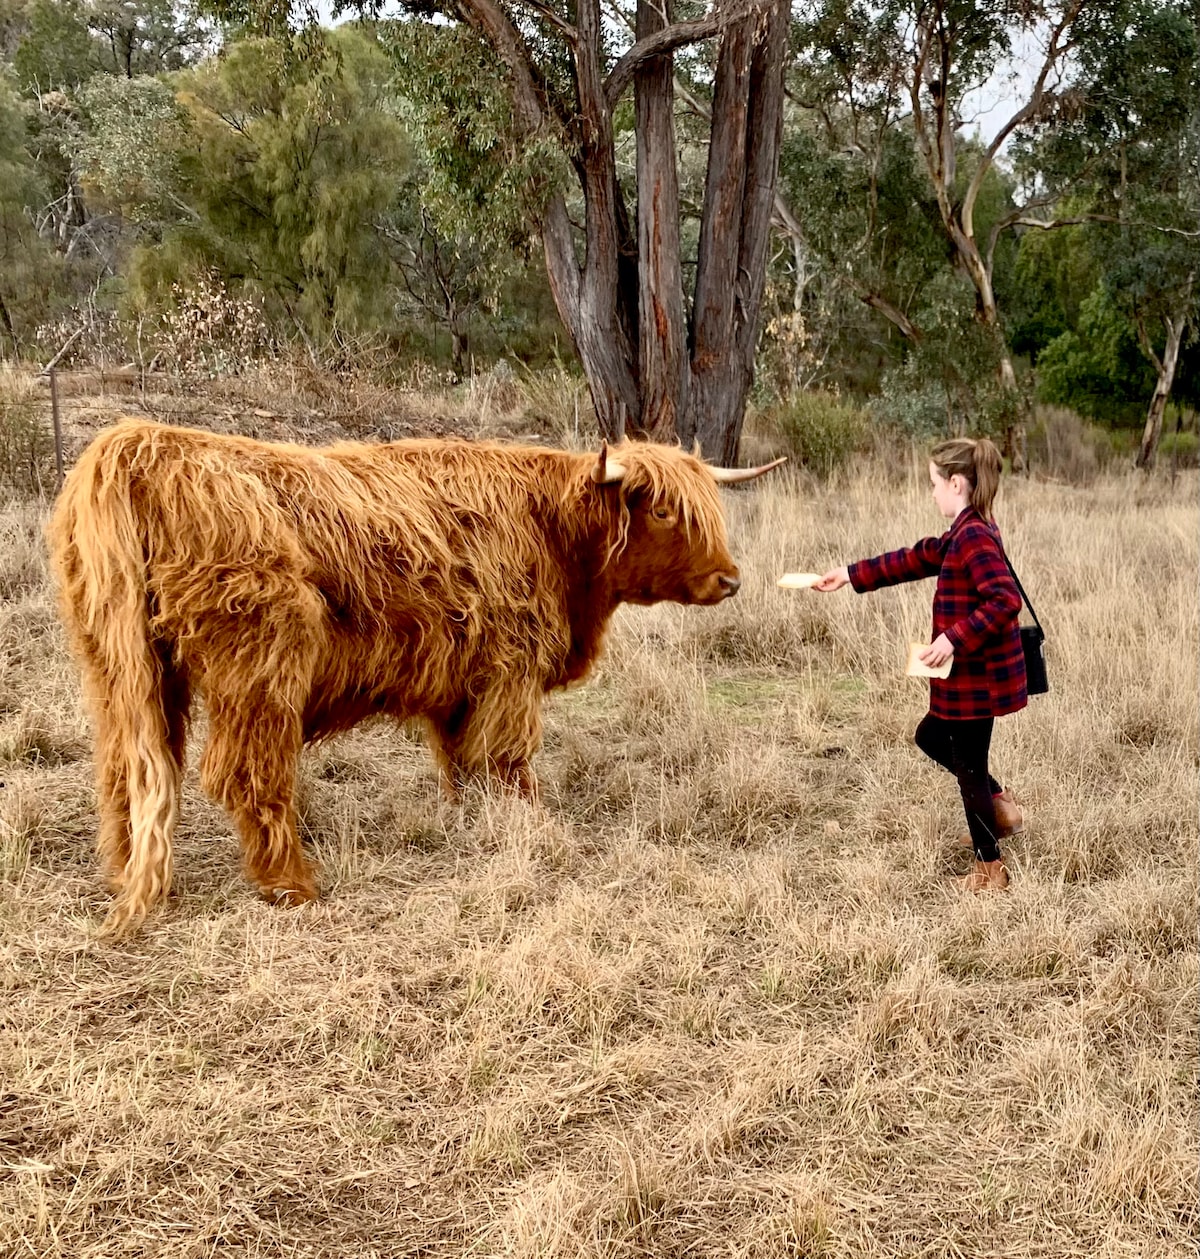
(161, 532)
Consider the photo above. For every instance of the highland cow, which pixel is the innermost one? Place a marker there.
(300, 590)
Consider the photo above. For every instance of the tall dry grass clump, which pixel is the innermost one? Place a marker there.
(716, 997)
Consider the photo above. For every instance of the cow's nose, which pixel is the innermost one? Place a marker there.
(731, 585)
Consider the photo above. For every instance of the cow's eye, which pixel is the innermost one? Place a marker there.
(662, 513)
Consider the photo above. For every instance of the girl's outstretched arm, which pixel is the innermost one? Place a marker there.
(910, 563)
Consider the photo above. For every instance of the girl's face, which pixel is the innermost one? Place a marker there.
(951, 495)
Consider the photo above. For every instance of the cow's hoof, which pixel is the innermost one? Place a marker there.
(290, 897)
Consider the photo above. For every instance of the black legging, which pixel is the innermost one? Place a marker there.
(962, 748)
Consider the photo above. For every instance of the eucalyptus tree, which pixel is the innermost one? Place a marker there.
(921, 60)
(139, 37)
(659, 362)
(574, 75)
(1129, 155)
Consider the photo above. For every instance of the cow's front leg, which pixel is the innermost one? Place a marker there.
(493, 736)
(249, 766)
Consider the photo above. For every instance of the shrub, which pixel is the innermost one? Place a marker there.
(26, 442)
(1179, 450)
(1066, 447)
(819, 430)
(920, 411)
(212, 332)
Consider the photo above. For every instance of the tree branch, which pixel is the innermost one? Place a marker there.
(892, 313)
(547, 14)
(1031, 109)
(661, 42)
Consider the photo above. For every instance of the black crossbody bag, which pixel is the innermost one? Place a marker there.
(1032, 639)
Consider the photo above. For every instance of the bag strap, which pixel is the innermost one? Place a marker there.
(1013, 571)
(1022, 590)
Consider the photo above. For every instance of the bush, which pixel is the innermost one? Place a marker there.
(1179, 450)
(211, 332)
(919, 411)
(1066, 447)
(26, 442)
(819, 430)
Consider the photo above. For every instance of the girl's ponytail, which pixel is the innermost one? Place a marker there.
(976, 460)
(987, 477)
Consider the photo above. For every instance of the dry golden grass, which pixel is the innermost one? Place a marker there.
(716, 998)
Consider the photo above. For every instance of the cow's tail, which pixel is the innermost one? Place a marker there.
(98, 547)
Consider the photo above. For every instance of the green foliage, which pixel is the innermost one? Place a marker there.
(1097, 369)
(1128, 150)
(949, 381)
(870, 229)
(17, 173)
(131, 149)
(485, 184)
(1052, 274)
(62, 43)
(820, 430)
(28, 266)
(288, 166)
(55, 49)
(133, 38)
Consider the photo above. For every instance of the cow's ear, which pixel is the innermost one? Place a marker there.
(607, 471)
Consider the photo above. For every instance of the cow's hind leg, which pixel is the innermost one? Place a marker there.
(112, 768)
(112, 801)
(249, 766)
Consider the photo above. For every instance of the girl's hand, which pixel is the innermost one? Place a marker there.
(938, 652)
(833, 580)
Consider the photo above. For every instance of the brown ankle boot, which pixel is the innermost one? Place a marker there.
(988, 876)
(1009, 818)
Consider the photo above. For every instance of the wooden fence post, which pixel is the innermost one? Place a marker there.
(58, 445)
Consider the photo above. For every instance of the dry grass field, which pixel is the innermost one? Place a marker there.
(717, 997)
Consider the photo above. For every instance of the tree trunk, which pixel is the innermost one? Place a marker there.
(6, 320)
(660, 276)
(622, 301)
(743, 159)
(1162, 391)
(601, 334)
(458, 349)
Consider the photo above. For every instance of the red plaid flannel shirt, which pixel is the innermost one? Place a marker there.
(976, 605)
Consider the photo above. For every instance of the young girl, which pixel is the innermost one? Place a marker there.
(975, 609)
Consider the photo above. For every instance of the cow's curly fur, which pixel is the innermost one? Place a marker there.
(299, 590)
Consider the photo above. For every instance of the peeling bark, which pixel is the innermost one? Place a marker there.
(739, 199)
(620, 291)
(1165, 369)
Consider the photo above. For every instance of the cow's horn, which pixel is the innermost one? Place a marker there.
(607, 471)
(731, 476)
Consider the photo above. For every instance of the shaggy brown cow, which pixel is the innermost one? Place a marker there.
(300, 590)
